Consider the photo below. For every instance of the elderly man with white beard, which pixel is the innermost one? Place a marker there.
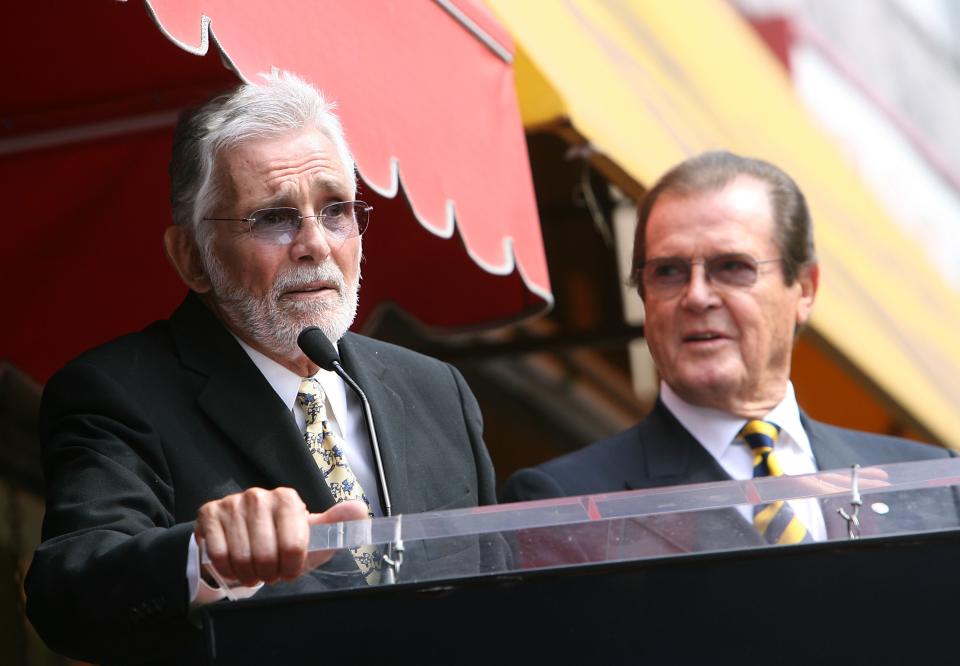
(213, 428)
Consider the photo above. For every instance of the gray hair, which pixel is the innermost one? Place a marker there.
(711, 171)
(283, 103)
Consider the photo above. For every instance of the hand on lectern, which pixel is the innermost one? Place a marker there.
(841, 481)
(262, 535)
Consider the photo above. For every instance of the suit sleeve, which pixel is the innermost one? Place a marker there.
(526, 485)
(109, 577)
(486, 478)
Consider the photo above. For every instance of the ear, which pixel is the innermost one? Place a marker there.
(184, 256)
(809, 280)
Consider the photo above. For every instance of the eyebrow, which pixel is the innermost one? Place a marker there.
(329, 187)
(715, 255)
(281, 200)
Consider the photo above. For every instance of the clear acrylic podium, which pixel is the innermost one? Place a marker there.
(671, 575)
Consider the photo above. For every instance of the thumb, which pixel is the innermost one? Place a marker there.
(338, 513)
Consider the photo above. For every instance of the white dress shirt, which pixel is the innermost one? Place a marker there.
(345, 419)
(344, 416)
(716, 431)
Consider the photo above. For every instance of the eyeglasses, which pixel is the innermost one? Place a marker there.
(279, 226)
(669, 274)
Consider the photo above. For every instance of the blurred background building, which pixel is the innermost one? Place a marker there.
(876, 80)
(857, 100)
(883, 79)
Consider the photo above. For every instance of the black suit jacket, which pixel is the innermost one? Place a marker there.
(141, 432)
(659, 451)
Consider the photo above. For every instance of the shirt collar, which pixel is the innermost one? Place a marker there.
(286, 384)
(716, 429)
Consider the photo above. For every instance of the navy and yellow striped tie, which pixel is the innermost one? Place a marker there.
(775, 521)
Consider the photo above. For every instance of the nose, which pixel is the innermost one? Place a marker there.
(311, 242)
(699, 292)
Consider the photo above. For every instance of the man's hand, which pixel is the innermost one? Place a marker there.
(840, 480)
(262, 535)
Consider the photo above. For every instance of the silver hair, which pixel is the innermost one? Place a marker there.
(283, 103)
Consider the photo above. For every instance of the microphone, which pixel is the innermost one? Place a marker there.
(318, 348)
(321, 351)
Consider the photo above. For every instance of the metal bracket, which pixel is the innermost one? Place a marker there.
(853, 518)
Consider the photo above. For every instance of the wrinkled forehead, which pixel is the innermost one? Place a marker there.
(287, 169)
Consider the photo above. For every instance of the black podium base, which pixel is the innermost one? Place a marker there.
(874, 601)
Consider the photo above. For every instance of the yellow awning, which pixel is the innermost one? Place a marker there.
(650, 82)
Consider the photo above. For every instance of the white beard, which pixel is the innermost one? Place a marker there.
(274, 323)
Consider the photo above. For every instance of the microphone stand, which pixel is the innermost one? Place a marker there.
(318, 348)
(393, 555)
(853, 518)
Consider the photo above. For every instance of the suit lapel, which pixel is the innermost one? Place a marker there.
(829, 450)
(243, 405)
(389, 414)
(672, 455)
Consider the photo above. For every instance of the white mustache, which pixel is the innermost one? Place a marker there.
(303, 275)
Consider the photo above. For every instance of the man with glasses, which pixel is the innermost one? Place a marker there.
(724, 262)
(213, 428)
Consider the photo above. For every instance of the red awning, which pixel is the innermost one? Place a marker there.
(425, 91)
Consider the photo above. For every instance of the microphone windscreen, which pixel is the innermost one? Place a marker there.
(318, 347)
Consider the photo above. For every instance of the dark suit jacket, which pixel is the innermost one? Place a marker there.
(141, 432)
(659, 451)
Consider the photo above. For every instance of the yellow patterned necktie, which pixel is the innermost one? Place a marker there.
(775, 521)
(331, 459)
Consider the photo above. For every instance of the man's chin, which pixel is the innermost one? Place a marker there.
(309, 316)
(334, 322)
(705, 388)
